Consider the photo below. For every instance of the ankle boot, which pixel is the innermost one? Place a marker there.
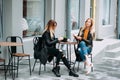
(55, 70)
(71, 73)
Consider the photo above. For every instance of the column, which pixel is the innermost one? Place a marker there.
(118, 21)
(68, 19)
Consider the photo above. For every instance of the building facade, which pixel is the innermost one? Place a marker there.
(69, 14)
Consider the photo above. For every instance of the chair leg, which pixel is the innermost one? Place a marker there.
(17, 65)
(29, 65)
(45, 67)
(34, 64)
(53, 62)
(91, 58)
(12, 68)
(91, 62)
(84, 66)
(40, 68)
(5, 70)
(74, 66)
(78, 66)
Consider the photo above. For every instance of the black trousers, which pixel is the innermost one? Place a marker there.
(59, 55)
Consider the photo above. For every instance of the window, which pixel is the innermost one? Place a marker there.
(75, 14)
(106, 12)
(1, 19)
(33, 17)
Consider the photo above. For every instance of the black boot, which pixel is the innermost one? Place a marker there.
(55, 70)
(71, 73)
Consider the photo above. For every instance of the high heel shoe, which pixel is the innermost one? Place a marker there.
(89, 68)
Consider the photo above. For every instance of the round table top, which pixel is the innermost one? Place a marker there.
(10, 44)
(68, 42)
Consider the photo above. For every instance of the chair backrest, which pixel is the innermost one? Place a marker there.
(37, 41)
(13, 49)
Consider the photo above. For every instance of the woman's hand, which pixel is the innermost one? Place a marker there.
(60, 38)
(77, 37)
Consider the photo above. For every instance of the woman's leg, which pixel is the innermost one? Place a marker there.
(55, 52)
(59, 55)
(65, 61)
(84, 50)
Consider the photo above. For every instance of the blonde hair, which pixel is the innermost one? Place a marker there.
(49, 27)
(84, 27)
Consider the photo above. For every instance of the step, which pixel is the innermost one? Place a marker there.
(117, 58)
(113, 53)
(112, 43)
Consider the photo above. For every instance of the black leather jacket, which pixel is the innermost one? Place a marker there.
(89, 41)
(49, 42)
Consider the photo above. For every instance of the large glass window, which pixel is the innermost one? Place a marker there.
(1, 19)
(33, 17)
(106, 12)
(75, 14)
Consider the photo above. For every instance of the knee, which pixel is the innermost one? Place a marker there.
(81, 43)
(60, 54)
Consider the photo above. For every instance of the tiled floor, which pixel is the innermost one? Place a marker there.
(105, 68)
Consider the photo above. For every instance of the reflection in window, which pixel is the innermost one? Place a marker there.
(106, 12)
(33, 13)
(75, 14)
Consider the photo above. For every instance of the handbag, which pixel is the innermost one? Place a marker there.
(43, 54)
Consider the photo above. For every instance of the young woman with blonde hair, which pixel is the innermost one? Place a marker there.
(50, 42)
(85, 45)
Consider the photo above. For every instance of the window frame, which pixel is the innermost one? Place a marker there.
(103, 18)
(78, 21)
(43, 21)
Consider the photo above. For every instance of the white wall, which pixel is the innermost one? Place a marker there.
(60, 17)
(7, 14)
(87, 9)
(16, 17)
(82, 12)
(12, 16)
(105, 31)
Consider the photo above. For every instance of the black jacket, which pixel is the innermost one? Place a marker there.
(49, 42)
(89, 41)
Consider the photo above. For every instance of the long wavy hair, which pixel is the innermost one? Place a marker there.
(84, 27)
(50, 27)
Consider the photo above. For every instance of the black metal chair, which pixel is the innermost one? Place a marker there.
(37, 40)
(17, 54)
(78, 58)
(3, 61)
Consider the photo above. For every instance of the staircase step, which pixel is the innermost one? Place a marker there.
(117, 58)
(113, 53)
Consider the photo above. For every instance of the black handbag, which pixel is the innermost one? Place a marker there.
(43, 54)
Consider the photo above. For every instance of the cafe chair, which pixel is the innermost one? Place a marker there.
(78, 58)
(17, 52)
(3, 64)
(37, 40)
